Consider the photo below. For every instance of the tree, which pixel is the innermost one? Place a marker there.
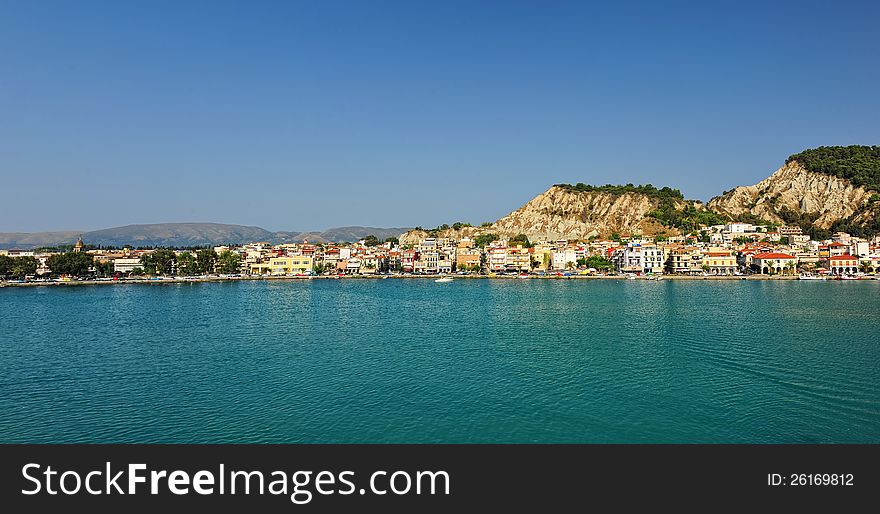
(519, 240)
(228, 262)
(599, 262)
(186, 264)
(22, 267)
(548, 260)
(319, 268)
(5, 264)
(159, 262)
(790, 266)
(206, 260)
(569, 265)
(393, 240)
(581, 262)
(371, 240)
(75, 264)
(104, 269)
(482, 240)
(17, 267)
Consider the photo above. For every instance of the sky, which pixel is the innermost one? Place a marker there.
(307, 115)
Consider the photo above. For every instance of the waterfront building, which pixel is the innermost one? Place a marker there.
(297, 264)
(562, 258)
(126, 265)
(517, 259)
(843, 264)
(496, 258)
(467, 258)
(718, 261)
(686, 260)
(772, 263)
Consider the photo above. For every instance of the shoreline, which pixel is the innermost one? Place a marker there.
(177, 280)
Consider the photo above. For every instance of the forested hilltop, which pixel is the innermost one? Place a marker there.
(858, 164)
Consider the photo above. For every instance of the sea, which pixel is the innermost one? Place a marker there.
(414, 361)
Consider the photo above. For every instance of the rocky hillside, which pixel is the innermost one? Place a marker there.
(793, 189)
(567, 213)
(820, 190)
(581, 211)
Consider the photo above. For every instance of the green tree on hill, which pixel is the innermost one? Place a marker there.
(519, 240)
(482, 240)
(858, 164)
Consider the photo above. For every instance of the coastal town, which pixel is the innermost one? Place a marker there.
(733, 250)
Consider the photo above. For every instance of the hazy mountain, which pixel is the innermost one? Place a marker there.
(188, 234)
(24, 240)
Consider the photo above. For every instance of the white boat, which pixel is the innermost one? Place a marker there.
(444, 279)
(807, 276)
(630, 277)
(658, 277)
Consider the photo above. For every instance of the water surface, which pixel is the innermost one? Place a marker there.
(327, 361)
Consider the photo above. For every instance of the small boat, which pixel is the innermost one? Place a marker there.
(847, 277)
(444, 279)
(658, 277)
(808, 276)
(630, 277)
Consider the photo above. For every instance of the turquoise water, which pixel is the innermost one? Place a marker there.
(326, 361)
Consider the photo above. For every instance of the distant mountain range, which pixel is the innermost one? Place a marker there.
(187, 234)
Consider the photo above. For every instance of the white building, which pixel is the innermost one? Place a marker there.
(126, 265)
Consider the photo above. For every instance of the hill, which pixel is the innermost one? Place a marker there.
(187, 234)
(821, 190)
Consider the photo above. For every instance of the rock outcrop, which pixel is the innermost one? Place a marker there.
(792, 189)
(560, 213)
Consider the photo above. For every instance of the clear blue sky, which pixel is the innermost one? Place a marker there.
(306, 115)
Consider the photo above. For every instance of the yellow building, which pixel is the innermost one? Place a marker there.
(297, 264)
(719, 262)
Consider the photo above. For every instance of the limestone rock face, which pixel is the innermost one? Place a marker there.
(795, 189)
(559, 213)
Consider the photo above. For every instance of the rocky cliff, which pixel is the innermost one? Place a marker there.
(562, 213)
(793, 193)
(578, 212)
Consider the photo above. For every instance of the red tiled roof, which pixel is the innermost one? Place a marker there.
(773, 256)
(844, 258)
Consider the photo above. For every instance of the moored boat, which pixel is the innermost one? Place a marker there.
(444, 279)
